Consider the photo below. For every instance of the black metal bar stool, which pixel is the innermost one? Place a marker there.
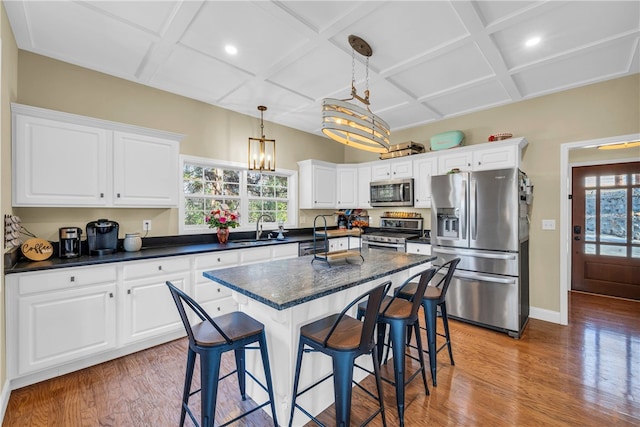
(402, 314)
(434, 297)
(344, 339)
(209, 339)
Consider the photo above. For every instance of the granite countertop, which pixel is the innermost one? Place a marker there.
(286, 283)
(152, 248)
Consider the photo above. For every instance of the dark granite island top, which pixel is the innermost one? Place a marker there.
(286, 283)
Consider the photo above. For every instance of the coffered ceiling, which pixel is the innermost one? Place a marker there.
(431, 59)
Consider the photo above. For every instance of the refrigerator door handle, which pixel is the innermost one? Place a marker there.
(507, 256)
(482, 277)
(473, 201)
(463, 203)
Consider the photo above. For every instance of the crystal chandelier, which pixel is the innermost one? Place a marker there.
(262, 151)
(351, 124)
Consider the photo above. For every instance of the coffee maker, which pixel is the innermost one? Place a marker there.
(69, 242)
(102, 237)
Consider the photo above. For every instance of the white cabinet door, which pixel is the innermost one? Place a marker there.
(424, 168)
(149, 310)
(460, 160)
(59, 164)
(317, 185)
(55, 317)
(495, 158)
(146, 171)
(392, 169)
(380, 171)
(364, 179)
(347, 187)
(401, 168)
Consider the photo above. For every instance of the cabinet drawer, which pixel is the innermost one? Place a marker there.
(418, 248)
(217, 260)
(210, 291)
(51, 280)
(158, 267)
(220, 306)
(255, 255)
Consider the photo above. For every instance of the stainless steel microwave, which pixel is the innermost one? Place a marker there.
(391, 192)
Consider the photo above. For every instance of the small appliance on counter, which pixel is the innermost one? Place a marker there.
(102, 237)
(69, 238)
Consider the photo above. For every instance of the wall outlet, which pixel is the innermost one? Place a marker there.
(303, 219)
(146, 225)
(548, 224)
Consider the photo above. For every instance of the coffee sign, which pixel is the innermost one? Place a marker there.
(37, 249)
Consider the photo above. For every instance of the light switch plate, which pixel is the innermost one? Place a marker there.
(548, 224)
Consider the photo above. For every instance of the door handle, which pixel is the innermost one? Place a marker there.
(576, 238)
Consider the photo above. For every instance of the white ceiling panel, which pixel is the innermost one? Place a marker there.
(564, 29)
(590, 66)
(245, 26)
(451, 70)
(197, 74)
(472, 98)
(401, 31)
(153, 16)
(323, 71)
(84, 42)
(492, 12)
(431, 59)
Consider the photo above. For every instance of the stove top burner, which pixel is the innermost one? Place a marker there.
(388, 236)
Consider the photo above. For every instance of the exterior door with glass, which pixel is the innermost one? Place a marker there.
(606, 229)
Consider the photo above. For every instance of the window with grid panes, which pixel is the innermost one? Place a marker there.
(207, 184)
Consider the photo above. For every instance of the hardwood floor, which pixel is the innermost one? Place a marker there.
(584, 374)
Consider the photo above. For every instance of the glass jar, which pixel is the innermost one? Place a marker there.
(132, 242)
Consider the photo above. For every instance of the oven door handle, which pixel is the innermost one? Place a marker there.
(385, 245)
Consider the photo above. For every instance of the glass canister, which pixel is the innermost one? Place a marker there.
(132, 242)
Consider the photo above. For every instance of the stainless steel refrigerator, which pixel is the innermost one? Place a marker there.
(481, 217)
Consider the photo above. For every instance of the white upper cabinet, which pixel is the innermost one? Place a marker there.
(58, 164)
(347, 187)
(495, 155)
(62, 159)
(146, 170)
(364, 179)
(391, 169)
(496, 158)
(424, 168)
(317, 185)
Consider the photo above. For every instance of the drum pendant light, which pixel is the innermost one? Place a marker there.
(262, 151)
(351, 124)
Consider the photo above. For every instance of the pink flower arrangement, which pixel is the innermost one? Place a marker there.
(222, 217)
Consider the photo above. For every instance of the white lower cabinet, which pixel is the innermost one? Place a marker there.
(149, 309)
(213, 297)
(418, 248)
(65, 319)
(57, 317)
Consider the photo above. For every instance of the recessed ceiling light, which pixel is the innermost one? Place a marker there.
(230, 49)
(532, 41)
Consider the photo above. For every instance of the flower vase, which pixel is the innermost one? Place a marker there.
(223, 235)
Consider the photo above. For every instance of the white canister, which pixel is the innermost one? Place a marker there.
(132, 242)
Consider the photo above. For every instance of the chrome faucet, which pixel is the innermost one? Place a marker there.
(259, 227)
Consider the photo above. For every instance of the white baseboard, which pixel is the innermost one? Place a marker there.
(544, 314)
(4, 399)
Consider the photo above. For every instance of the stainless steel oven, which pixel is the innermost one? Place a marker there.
(373, 244)
(393, 233)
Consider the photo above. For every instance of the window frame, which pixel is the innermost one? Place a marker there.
(292, 192)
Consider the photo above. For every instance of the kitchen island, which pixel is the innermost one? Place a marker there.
(287, 294)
